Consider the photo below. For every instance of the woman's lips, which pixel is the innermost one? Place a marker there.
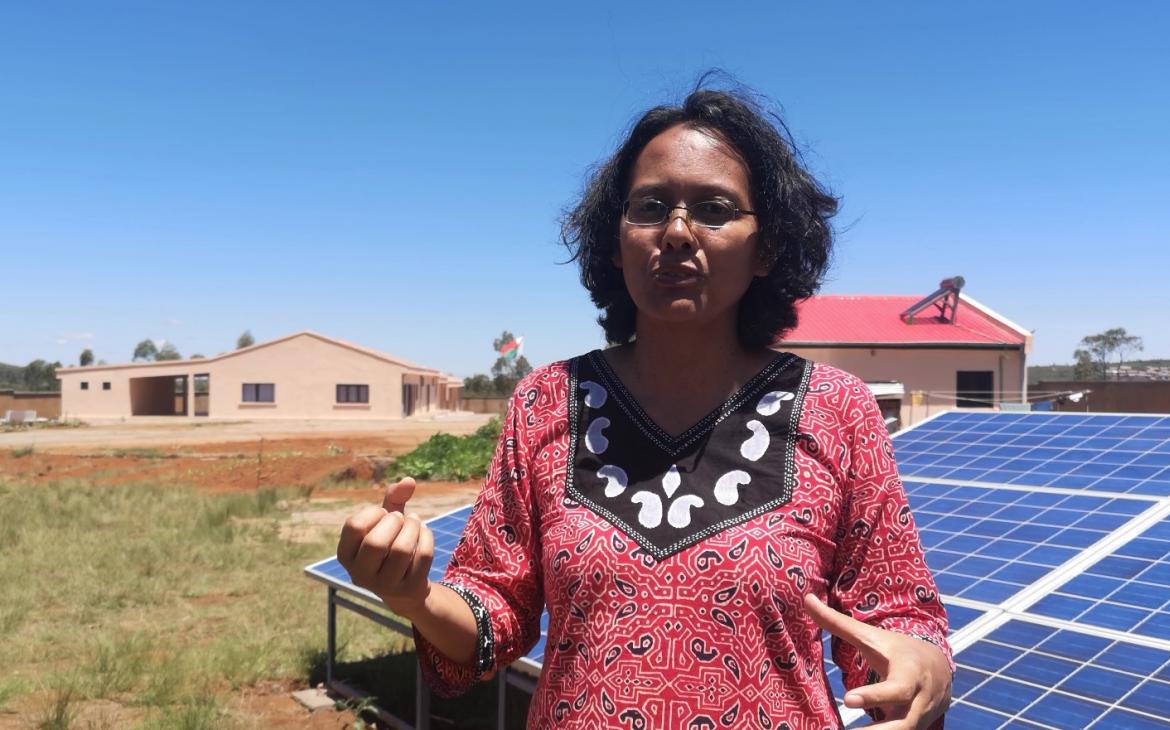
(676, 277)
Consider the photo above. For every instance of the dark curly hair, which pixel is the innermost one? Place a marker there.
(792, 210)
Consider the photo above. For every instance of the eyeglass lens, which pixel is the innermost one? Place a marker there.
(651, 212)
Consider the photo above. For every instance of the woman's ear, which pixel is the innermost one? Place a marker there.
(763, 267)
(765, 259)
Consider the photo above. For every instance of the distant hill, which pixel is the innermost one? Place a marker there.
(11, 376)
(1036, 373)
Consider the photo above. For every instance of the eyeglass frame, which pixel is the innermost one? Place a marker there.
(736, 211)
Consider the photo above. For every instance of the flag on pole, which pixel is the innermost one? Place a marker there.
(512, 350)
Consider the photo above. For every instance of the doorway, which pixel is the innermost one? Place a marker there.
(974, 389)
(409, 398)
(201, 386)
(164, 395)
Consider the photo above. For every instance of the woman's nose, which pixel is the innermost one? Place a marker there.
(678, 231)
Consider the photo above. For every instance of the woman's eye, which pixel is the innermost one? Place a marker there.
(713, 211)
(647, 211)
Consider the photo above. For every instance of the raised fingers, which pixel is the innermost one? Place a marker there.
(375, 547)
(844, 627)
(401, 553)
(903, 717)
(398, 494)
(424, 554)
(354, 531)
(881, 694)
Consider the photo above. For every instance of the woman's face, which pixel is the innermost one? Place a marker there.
(682, 272)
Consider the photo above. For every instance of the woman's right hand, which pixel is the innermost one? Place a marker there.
(389, 552)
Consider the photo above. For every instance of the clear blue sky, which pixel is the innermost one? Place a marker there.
(392, 173)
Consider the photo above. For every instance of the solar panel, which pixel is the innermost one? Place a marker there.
(1049, 535)
(1027, 675)
(1120, 454)
(1058, 526)
(988, 543)
(1127, 590)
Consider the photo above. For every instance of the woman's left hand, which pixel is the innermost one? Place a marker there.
(916, 678)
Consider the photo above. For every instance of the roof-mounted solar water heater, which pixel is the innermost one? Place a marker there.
(945, 300)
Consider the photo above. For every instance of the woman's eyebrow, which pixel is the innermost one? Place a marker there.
(714, 190)
(648, 189)
(695, 194)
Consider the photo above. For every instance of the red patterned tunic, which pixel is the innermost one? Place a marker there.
(673, 568)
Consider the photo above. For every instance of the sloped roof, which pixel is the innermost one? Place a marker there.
(829, 320)
(245, 350)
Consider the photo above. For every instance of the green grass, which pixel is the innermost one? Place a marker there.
(444, 456)
(23, 452)
(60, 713)
(159, 598)
(140, 453)
(46, 425)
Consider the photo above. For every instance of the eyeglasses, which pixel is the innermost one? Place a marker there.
(708, 213)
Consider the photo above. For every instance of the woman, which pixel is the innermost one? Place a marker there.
(691, 506)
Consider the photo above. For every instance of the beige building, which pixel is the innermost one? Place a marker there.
(919, 355)
(305, 375)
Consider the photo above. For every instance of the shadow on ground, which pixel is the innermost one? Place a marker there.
(390, 683)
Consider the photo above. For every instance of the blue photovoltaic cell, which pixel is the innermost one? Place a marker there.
(1128, 590)
(1027, 675)
(1121, 453)
(987, 544)
(448, 529)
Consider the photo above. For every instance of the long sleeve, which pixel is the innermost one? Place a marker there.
(495, 567)
(879, 574)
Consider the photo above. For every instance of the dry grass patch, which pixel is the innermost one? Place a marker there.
(149, 606)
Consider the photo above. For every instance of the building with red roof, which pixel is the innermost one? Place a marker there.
(919, 354)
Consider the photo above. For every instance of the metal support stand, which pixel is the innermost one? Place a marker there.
(501, 698)
(519, 679)
(331, 636)
(422, 701)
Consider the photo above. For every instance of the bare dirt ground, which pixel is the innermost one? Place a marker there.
(330, 467)
(224, 456)
(269, 704)
(156, 431)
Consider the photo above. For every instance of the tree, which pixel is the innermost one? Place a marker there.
(507, 371)
(1126, 343)
(196, 356)
(41, 376)
(508, 368)
(478, 386)
(145, 350)
(86, 357)
(245, 340)
(1084, 369)
(1096, 350)
(168, 352)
